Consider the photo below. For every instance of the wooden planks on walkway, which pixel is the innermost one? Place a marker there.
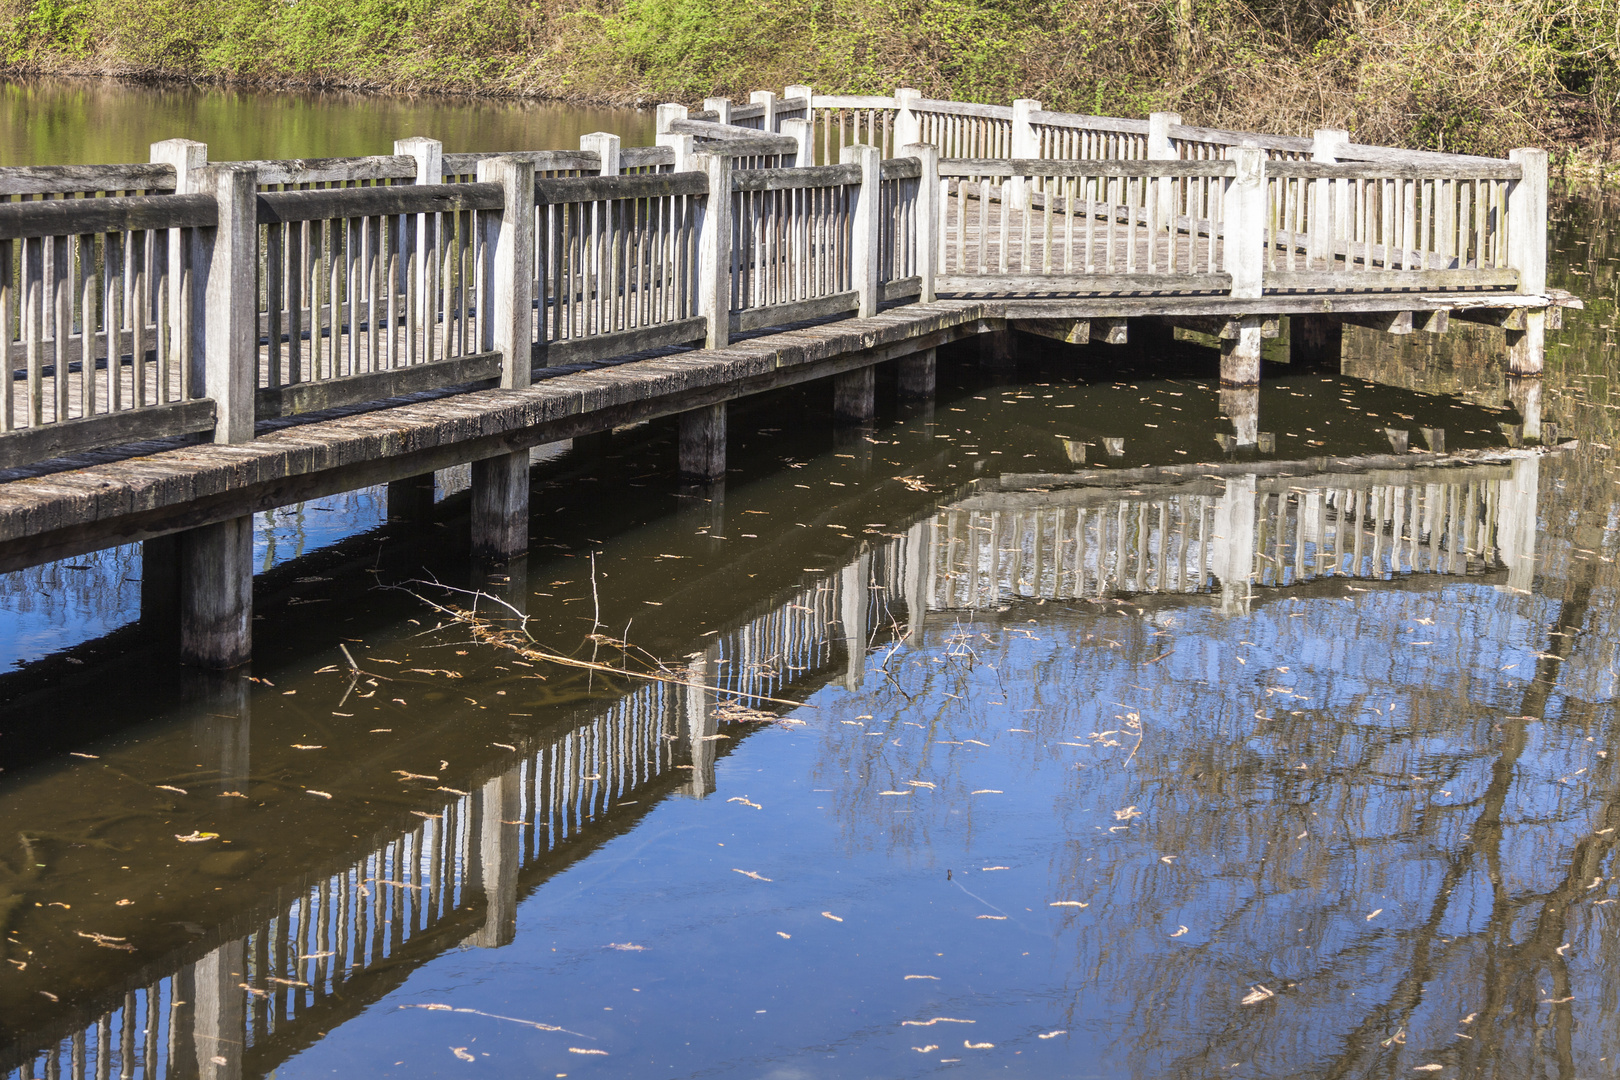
(111, 497)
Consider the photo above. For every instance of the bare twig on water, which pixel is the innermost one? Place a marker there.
(482, 632)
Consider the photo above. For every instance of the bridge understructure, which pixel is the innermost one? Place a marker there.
(447, 866)
(193, 342)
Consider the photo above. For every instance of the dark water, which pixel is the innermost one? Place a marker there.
(1185, 763)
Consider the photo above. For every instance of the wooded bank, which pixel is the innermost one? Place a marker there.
(1452, 75)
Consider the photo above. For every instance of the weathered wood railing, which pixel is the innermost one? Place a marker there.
(362, 279)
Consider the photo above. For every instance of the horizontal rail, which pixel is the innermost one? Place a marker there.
(851, 101)
(333, 170)
(1361, 281)
(1220, 136)
(586, 350)
(25, 446)
(645, 157)
(573, 189)
(280, 207)
(273, 401)
(901, 169)
(820, 307)
(1088, 123)
(66, 179)
(130, 213)
(981, 167)
(815, 176)
(1481, 169)
(544, 161)
(1086, 284)
(962, 108)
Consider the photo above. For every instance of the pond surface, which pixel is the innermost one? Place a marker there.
(930, 748)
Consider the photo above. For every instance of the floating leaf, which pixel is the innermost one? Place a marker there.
(1068, 903)
(1258, 994)
(935, 1020)
(196, 837)
(830, 915)
(749, 874)
(461, 1052)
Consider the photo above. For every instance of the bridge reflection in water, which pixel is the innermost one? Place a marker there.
(276, 980)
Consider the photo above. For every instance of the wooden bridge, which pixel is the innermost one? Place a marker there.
(192, 342)
(445, 867)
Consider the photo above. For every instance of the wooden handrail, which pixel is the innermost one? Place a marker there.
(81, 217)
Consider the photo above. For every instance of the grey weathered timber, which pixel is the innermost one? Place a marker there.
(820, 307)
(1227, 329)
(977, 167)
(703, 443)
(281, 207)
(581, 160)
(1068, 331)
(216, 593)
(796, 178)
(1240, 353)
(28, 445)
(226, 337)
(714, 249)
(916, 376)
(1440, 170)
(333, 170)
(411, 499)
(500, 506)
(70, 217)
(864, 239)
(1245, 201)
(1390, 280)
(570, 189)
(1315, 339)
(854, 397)
(74, 179)
(289, 400)
(1527, 253)
(998, 349)
(606, 346)
(1085, 284)
(57, 514)
(510, 268)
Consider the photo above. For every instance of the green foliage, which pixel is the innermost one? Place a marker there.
(1478, 75)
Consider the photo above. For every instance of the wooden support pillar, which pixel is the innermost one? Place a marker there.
(853, 396)
(865, 222)
(703, 443)
(1240, 355)
(1527, 253)
(216, 594)
(1525, 394)
(411, 499)
(997, 350)
(596, 444)
(917, 376)
(160, 584)
(1315, 340)
(500, 507)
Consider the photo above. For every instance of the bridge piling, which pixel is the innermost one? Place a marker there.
(216, 593)
(917, 373)
(703, 443)
(411, 500)
(500, 507)
(854, 396)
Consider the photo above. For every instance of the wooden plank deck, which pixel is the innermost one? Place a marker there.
(93, 500)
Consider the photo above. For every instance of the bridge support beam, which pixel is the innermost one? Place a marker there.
(917, 376)
(997, 350)
(1240, 354)
(1315, 341)
(216, 594)
(160, 584)
(411, 499)
(703, 443)
(854, 398)
(500, 507)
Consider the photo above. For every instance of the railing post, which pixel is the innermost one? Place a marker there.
(1160, 148)
(1025, 144)
(928, 210)
(800, 132)
(799, 91)
(907, 126)
(864, 240)
(506, 299)
(1319, 241)
(680, 144)
(429, 155)
(720, 106)
(187, 156)
(768, 99)
(411, 499)
(225, 312)
(1243, 240)
(1527, 253)
(1243, 246)
(714, 250)
(607, 147)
